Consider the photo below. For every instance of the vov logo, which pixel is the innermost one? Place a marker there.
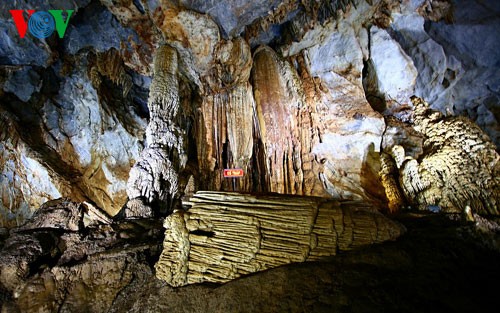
(41, 24)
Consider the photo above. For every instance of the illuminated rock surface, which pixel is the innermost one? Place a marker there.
(459, 167)
(295, 94)
(145, 102)
(223, 236)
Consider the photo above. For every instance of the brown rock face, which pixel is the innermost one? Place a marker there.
(71, 257)
(459, 169)
(225, 119)
(226, 235)
(285, 127)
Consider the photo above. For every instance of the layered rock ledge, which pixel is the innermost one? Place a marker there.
(227, 235)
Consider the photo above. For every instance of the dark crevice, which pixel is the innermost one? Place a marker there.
(139, 6)
(204, 233)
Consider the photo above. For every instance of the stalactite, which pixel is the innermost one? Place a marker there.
(311, 12)
(110, 64)
(225, 137)
(280, 109)
(309, 134)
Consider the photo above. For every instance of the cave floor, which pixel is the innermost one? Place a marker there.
(439, 265)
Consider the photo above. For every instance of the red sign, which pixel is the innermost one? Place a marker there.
(233, 172)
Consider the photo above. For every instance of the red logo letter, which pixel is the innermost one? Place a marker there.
(21, 24)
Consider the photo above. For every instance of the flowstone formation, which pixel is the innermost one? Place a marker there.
(459, 169)
(223, 236)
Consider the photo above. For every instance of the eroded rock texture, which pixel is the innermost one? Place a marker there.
(227, 235)
(71, 257)
(71, 113)
(225, 137)
(459, 167)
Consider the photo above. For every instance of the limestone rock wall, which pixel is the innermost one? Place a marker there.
(73, 115)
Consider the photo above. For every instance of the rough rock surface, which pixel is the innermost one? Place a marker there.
(71, 257)
(459, 167)
(456, 55)
(223, 236)
(225, 138)
(155, 177)
(74, 138)
(67, 129)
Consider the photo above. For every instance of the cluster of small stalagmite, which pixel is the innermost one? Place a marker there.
(223, 236)
(459, 169)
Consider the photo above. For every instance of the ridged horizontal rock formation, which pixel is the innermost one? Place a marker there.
(223, 236)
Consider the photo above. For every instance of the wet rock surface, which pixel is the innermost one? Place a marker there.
(442, 264)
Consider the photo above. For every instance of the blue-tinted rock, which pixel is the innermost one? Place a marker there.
(28, 50)
(23, 83)
(233, 15)
(97, 28)
(21, 51)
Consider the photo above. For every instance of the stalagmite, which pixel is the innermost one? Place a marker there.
(460, 167)
(155, 176)
(389, 177)
(226, 235)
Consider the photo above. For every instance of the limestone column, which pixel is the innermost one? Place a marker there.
(154, 178)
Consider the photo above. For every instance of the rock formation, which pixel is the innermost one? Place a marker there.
(225, 138)
(143, 103)
(155, 177)
(289, 91)
(223, 236)
(73, 257)
(459, 167)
